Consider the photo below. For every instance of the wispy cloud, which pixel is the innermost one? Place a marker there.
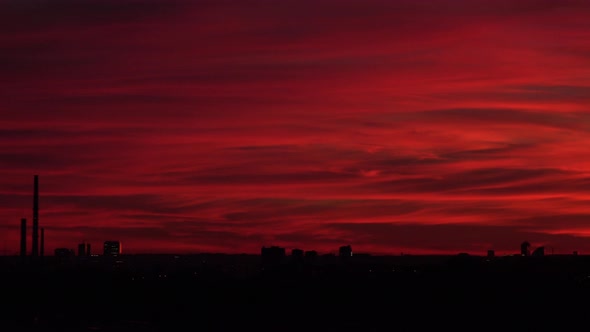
(436, 126)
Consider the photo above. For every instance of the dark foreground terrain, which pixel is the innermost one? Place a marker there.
(457, 293)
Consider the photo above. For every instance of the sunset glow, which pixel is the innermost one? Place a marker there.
(222, 126)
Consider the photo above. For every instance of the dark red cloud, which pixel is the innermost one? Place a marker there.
(187, 126)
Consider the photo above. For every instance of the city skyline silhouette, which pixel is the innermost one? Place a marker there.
(294, 165)
(223, 292)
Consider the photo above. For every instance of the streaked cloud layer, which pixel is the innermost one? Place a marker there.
(394, 126)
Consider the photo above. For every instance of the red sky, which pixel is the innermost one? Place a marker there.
(394, 126)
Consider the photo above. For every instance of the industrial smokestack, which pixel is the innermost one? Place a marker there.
(35, 245)
(42, 246)
(23, 237)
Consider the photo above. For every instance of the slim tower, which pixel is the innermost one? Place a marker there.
(82, 249)
(23, 237)
(35, 245)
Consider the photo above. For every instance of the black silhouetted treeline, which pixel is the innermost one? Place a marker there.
(295, 293)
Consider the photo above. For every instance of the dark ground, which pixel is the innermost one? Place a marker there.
(525, 293)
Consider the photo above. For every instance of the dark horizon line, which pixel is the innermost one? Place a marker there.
(361, 254)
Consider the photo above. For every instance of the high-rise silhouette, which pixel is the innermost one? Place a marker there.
(82, 249)
(525, 249)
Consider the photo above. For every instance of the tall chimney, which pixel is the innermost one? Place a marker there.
(35, 245)
(42, 246)
(23, 237)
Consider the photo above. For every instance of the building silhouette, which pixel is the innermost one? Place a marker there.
(311, 254)
(539, 252)
(112, 248)
(345, 251)
(82, 249)
(525, 249)
(297, 253)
